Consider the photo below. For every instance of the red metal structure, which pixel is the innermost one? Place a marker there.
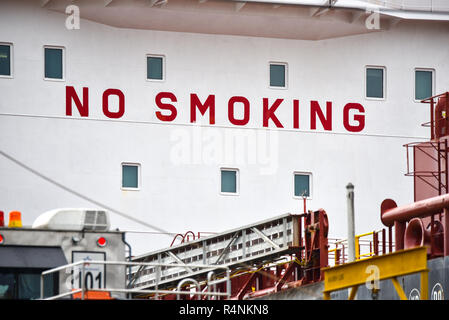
(304, 268)
(426, 221)
(184, 237)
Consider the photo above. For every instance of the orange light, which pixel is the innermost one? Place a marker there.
(15, 219)
(101, 242)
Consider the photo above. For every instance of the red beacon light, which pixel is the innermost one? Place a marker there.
(2, 219)
(1, 239)
(102, 242)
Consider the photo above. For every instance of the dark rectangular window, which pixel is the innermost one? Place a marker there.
(5, 60)
(25, 285)
(302, 185)
(375, 83)
(155, 67)
(277, 75)
(228, 181)
(54, 63)
(130, 176)
(423, 84)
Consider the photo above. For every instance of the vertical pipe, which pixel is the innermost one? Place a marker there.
(228, 283)
(446, 179)
(439, 167)
(432, 125)
(446, 232)
(376, 243)
(432, 234)
(399, 232)
(42, 286)
(390, 239)
(384, 242)
(83, 280)
(351, 223)
(305, 205)
(408, 164)
(129, 277)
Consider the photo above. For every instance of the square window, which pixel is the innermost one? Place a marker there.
(155, 68)
(423, 84)
(278, 75)
(229, 182)
(130, 176)
(54, 65)
(302, 185)
(5, 60)
(375, 83)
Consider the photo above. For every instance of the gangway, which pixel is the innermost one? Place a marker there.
(299, 240)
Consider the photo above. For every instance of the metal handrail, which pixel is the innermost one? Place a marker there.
(136, 290)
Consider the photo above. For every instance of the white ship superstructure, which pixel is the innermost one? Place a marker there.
(209, 115)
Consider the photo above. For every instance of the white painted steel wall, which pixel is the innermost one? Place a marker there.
(86, 155)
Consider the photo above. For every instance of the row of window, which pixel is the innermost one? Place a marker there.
(54, 63)
(375, 76)
(302, 181)
(376, 83)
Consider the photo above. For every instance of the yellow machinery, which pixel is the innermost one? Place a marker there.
(377, 268)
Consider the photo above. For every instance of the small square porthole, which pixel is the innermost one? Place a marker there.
(278, 75)
(302, 185)
(375, 83)
(130, 176)
(229, 181)
(5, 60)
(53, 63)
(155, 67)
(424, 84)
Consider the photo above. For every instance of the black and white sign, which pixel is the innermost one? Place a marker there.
(94, 274)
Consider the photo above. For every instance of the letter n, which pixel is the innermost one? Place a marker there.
(315, 110)
(83, 108)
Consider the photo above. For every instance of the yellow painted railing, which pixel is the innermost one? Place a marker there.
(359, 256)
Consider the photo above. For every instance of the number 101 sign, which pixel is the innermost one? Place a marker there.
(94, 274)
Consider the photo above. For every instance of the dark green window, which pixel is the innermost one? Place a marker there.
(277, 75)
(423, 84)
(155, 66)
(25, 284)
(5, 60)
(374, 82)
(130, 176)
(228, 181)
(302, 185)
(53, 63)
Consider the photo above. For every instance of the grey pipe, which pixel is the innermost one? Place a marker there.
(351, 223)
